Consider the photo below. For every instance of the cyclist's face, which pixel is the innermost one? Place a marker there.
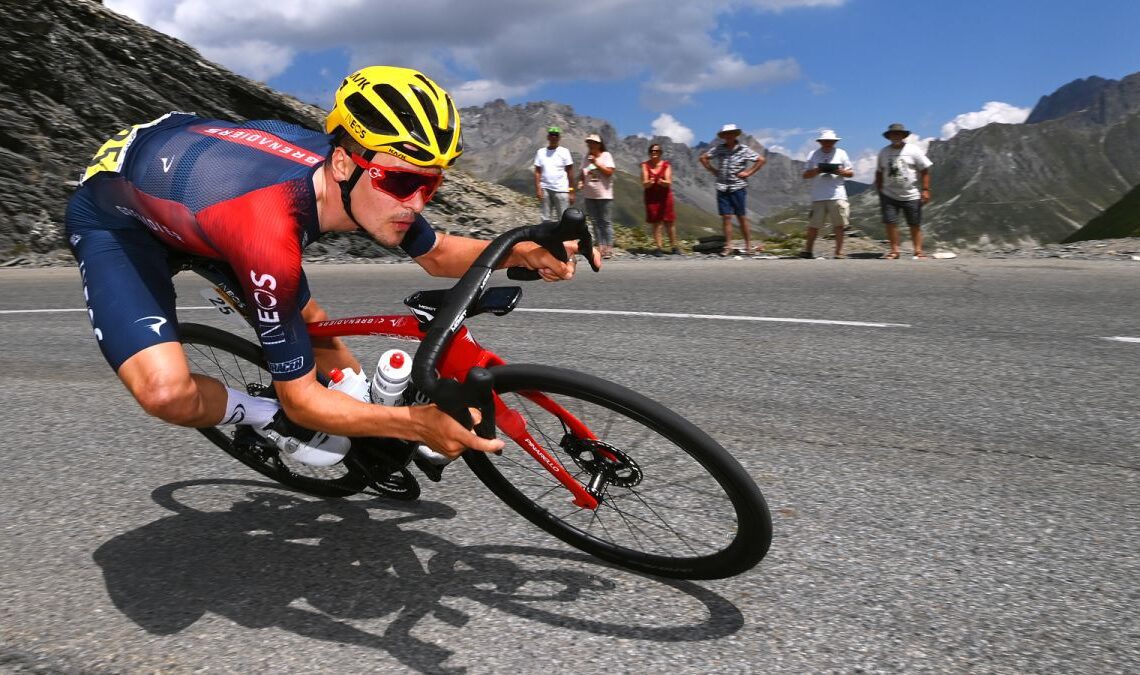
(382, 214)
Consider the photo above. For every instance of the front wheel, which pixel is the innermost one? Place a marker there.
(673, 502)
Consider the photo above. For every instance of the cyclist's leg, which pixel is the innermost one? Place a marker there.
(130, 301)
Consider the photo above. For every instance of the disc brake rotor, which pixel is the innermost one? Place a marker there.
(600, 458)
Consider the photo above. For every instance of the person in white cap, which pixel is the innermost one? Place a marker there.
(827, 169)
(553, 176)
(735, 163)
(596, 183)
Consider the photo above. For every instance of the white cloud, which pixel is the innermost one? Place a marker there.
(781, 5)
(732, 72)
(775, 139)
(261, 60)
(994, 111)
(476, 92)
(490, 48)
(865, 165)
(667, 125)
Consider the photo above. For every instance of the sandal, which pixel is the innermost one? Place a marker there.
(726, 251)
(893, 255)
(920, 256)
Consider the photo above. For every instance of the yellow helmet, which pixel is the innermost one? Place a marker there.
(398, 111)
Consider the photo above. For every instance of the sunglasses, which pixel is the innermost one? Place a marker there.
(401, 184)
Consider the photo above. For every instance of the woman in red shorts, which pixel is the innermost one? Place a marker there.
(657, 177)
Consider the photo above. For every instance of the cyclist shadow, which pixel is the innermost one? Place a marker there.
(308, 566)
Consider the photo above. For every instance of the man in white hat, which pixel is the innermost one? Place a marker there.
(735, 163)
(827, 169)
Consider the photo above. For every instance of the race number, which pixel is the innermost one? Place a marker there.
(114, 152)
(224, 304)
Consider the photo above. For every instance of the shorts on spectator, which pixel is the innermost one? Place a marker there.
(890, 207)
(834, 211)
(731, 203)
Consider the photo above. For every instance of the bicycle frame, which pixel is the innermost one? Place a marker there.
(462, 354)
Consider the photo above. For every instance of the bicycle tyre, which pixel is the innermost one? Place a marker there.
(227, 357)
(719, 520)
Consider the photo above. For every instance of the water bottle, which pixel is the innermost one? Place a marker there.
(390, 387)
(393, 373)
(349, 381)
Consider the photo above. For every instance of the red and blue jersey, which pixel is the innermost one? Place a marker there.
(241, 193)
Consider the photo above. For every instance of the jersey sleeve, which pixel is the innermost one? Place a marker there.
(419, 239)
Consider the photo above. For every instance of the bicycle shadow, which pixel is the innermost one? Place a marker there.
(273, 558)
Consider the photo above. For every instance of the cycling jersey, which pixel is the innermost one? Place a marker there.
(241, 193)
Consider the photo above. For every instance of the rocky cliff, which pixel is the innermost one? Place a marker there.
(76, 72)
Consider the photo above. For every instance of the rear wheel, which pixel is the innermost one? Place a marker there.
(238, 363)
(673, 502)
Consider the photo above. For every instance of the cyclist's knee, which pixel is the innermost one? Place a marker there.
(171, 399)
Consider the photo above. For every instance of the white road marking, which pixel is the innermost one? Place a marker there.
(606, 312)
(39, 311)
(716, 317)
(1123, 339)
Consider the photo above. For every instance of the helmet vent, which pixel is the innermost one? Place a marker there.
(366, 114)
(403, 110)
(428, 105)
(445, 135)
(427, 83)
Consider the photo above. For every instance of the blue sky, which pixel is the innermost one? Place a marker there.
(780, 69)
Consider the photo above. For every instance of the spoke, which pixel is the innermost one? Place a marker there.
(663, 524)
(629, 526)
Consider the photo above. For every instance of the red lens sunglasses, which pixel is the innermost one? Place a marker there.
(400, 184)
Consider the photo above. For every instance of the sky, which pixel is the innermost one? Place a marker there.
(779, 69)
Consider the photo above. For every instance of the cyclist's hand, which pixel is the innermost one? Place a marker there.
(446, 436)
(535, 257)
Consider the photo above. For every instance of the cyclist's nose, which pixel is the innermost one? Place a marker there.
(417, 201)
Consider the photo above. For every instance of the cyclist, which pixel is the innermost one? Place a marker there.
(254, 194)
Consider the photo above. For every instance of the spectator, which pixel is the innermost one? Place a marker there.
(735, 163)
(553, 176)
(828, 166)
(596, 181)
(903, 182)
(657, 178)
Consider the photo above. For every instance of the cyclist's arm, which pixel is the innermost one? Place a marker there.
(331, 352)
(452, 256)
(308, 403)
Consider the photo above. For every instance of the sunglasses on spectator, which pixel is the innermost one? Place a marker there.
(401, 184)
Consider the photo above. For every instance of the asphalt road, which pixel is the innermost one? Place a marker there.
(955, 493)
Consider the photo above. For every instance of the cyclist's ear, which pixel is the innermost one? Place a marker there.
(340, 163)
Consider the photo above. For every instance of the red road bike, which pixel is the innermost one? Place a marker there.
(593, 463)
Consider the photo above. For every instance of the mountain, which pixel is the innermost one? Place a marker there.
(1073, 97)
(1039, 182)
(501, 140)
(1118, 221)
(76, 72)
